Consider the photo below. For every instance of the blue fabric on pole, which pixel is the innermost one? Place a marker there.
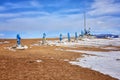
(18, 39)
(82, 33)
(60, 37)
(76, 35)
(69, 37)
(44, 35)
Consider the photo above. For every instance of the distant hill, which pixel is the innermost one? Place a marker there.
(107, 36)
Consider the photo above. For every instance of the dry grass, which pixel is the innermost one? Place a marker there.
(22, 65)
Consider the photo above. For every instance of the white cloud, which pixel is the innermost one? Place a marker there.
(58, 3)
(43, 23)
(1, 35)
(24, 4)
(20, 14)
(103, 7)
(2, 8)
(57, 23)
(7, 15)
(35, 4)
(68, 11)
(105, 24)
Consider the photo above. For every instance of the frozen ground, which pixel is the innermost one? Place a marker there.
(104, 62)
(87, 42)
(4, 42)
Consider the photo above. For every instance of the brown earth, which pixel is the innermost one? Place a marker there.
(22, 64)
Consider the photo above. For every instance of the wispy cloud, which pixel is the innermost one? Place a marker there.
(1, 34)
(43, 23)
(21, 14)
(2, 8)
(104, 7)
(24, 4)
(55, 23)
(68, 11)
(64, 17)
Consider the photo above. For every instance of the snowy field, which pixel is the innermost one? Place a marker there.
(87, 42)
(104, 62)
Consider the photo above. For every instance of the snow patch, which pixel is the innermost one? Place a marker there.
(22, 47)
(87, 42)
(104, 62)
(66, 60)
(110, 48)
(10, 48)
(4, 42)
(38, 61)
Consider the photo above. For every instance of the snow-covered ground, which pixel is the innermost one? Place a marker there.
(87, 42)
(104, 62)
(4, 42)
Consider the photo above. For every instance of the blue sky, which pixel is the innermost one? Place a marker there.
(31, 18)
